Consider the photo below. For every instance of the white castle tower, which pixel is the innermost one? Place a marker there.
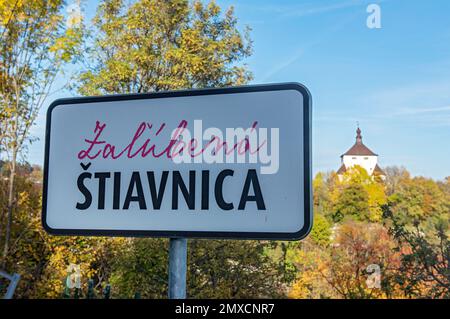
(361, 155)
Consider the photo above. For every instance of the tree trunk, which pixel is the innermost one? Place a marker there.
(11, 203)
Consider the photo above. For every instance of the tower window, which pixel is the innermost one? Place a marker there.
(366, 158)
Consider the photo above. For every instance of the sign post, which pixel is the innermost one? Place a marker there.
(14, 281)
(228, 163)
(177, 268)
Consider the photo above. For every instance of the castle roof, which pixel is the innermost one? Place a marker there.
(359, 149)
(378, 171)
(341, 170)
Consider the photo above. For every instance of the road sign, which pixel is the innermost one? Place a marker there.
(211, 163)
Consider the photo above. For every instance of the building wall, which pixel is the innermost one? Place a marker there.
(367, 162)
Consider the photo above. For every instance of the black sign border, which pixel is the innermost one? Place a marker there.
(307, 116)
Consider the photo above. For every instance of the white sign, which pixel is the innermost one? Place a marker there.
(217, 163)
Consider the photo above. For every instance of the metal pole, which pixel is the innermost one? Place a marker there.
(177, 268)
(12, 286)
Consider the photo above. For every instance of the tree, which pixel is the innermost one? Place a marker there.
(309, 282)
(425, 263)
(352, 202)
(342, 270)
(41, 260)
(359, 245)
(26, 249)
(321, 231)
(321, 194)
(141, 268)
(154, 45)
(358, 196)
(419, 199)
(395, 176)
(216, 269)
(232, 269)
(34, 46)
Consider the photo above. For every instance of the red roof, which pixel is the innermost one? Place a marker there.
(359, 149)
(341, 170)
(378, 171)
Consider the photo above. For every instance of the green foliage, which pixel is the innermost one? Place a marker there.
(321, 231)
(140, 266)
(26, 250)
(154, 45)
(231, 269)
(353, 195)
(322, 194)
(34, 46)
(418, 199)
(371, 196)
(352, 203)
(216, 269)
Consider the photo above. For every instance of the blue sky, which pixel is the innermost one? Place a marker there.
(394, 81)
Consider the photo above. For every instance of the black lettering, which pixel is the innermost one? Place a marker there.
(157, 196)
(189, 196)
(218, 189)
(252, 179)
(135, 182)
(101, 188)
(116, 192)
(205, 190)
(85, 191)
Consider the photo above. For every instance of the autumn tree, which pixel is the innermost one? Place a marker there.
(425, 263)
(358, 196)
(395, 177)
(419, 199)
(309, 282)
(322, 201)
(28, 250)
(408, 242)
(34, 46)
(359, 245)
(154, 45)
(343, 269)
